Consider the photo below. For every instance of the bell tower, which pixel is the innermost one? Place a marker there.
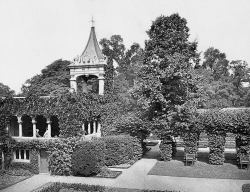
(90, 64)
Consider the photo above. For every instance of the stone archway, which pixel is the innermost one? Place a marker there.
(87, 84)
(14, 126)
(27, 126)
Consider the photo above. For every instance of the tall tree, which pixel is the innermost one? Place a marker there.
(53, 80)
(169, 35)
(113, 48)
(127, 60)
(166, 79)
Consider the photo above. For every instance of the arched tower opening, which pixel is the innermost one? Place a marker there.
(89, 64)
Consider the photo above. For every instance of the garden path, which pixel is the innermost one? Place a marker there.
(136, 177)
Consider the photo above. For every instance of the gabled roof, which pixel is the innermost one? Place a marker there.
(92, 49)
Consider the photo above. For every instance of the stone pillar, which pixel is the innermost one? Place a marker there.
(2, 160)
(19, 120)
(101, 85)
(49, 126)
(89, 128)
(98, 129)
(34, 126)
(94, 127)
(73, 85)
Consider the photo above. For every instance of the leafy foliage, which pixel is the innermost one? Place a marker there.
(88, 158)
(166, 149)
(217, 148)
(6, 91)
(53, 80)
(121, 149)
(246, 187)
(60, 156)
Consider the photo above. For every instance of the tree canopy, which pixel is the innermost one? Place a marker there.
(166, 79)
(53, 80)
(5, 91)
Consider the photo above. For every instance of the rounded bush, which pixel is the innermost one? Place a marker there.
(88, 158)
(246, 187)
(119, 149)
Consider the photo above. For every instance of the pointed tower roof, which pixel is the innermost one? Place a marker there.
(92, 49)
(92, 54)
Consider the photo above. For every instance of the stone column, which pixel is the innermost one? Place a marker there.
(2, 160)
(34, 126)
(98, 129)
(73, 84)
(19, 120)
(94, 127)
(89, 128)
(49, 126)
(101, 85)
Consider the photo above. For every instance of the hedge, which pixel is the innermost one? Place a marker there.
(166, 151)
(120, 149)
(60, 156)
(216, 148)
(246, 187)
(242, 145)
(88, 158)
(190, 141)
(56, 187)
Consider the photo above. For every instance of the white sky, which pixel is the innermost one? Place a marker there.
(34, 33)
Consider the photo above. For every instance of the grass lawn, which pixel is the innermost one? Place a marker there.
(7, 180)
(201, 168)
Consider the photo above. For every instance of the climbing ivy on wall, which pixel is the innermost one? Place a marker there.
(72, 110)
(109, 76)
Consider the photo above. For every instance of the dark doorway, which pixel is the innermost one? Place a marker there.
(55, 130)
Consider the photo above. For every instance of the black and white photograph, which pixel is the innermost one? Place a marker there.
(124, 96)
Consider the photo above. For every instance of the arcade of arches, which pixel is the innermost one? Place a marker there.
(35, 127)
(41, 127)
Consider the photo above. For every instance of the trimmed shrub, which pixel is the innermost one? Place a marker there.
(166, 151)
(242, 145)
(88, 158)
(56, 187)
(137, 148)
(63, 187)
(121, 149)
(190, 141)
(60, 156)
(246, 187)
(216, 148)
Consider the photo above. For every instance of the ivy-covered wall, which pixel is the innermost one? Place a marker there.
(72, 110)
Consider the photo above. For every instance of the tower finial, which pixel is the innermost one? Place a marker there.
(93, 21)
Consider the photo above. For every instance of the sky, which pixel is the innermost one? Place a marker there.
(34, 33)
